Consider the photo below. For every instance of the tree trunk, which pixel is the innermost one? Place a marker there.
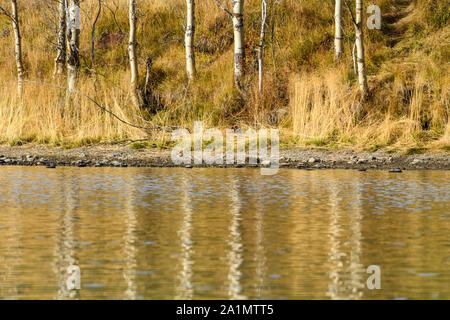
(93, 34)
(189, 39)
(132, 54)
(338, 37)
(362, 77)
(261, 44)
(239, 47)
(17, 47)
(147, 75)
(61, 47)
(73, 60)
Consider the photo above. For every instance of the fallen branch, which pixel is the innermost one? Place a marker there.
(153, 128)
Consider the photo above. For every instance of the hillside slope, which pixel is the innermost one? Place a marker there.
(313, 100)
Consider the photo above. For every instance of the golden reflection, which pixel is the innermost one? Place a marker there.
(235, 243)
(10, 259)
(344, 255)
(184, 289)
(260, 253)
(130, 241)
(356, 269)
(296, 235)
(334, 259)
(65, 251)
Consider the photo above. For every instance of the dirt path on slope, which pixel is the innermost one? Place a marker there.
(395, 23)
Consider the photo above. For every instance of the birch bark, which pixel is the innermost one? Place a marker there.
(261, 44)
(73, 58)
(61, 47)
(239, 47)
(17, 47)
(132, 54)
(338, 37)
(189, 39)
(361, 61)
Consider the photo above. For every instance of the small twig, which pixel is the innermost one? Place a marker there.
(93, 33)
(224, 9)
(272, 36)
(6, 13)
(113, 12)
(133, 141)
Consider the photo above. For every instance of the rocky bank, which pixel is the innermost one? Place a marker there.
(120, 156)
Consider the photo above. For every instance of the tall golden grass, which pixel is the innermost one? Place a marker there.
(325, 110)
(44, 115)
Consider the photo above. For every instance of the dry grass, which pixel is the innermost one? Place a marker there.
(39, 116)
(313, 101)
(325, 111)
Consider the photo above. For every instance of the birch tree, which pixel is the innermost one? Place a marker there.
(237, 17)
(17, 47)
(362, 76)
(189, 39)
(359, 45)
(261, 44)
(14, 17)
(61, 47)
(239, 47)
(132, 54)
(93, 33)
(73, 59)
(338, 37)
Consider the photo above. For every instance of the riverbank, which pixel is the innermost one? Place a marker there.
(123, 156)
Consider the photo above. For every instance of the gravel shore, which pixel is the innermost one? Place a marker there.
(120, 156)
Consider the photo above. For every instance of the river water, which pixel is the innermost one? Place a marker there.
(144, 233)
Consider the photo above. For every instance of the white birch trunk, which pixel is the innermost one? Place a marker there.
(239, 47)
(189, 39)
(132, 53)
(362, 77)
(17, 47)
(338, 37)
(60, 60)
(73, 59)
(261, 45)
(147, 76)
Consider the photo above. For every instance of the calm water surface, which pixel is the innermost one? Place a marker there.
(223, 233)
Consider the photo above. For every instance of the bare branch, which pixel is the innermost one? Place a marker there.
(93, 32)
(351, 13)
(224, 9)
(114, 12)
(6, 13)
